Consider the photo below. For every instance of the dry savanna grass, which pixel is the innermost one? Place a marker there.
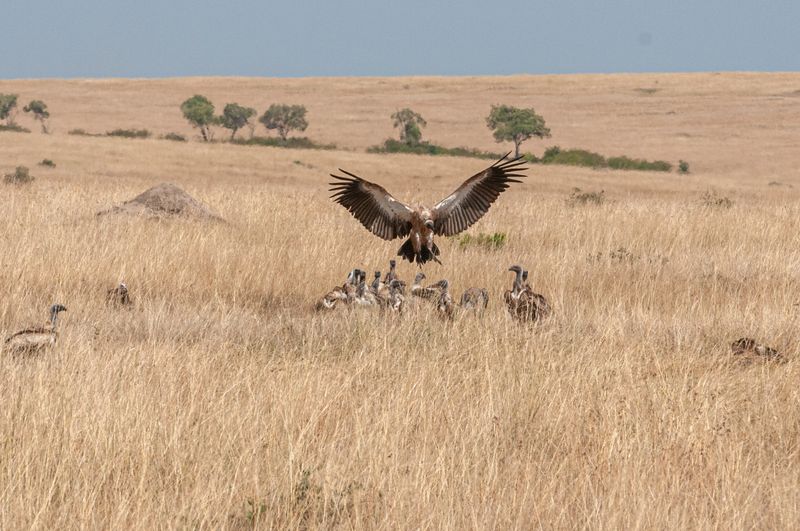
(222, 401)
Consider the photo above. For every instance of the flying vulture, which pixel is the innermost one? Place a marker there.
(388, 218)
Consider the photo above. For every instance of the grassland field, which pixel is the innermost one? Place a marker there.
(223, 401)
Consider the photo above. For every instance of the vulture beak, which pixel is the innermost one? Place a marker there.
(429, 224)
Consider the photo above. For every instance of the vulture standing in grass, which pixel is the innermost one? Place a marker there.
(431, 292)
(396, 297)
(522, 302)
(392, 274)
(377, 285)
(344, 293)
(119, 296)
(388, 218)
(475, 299)
(445, 306)
(749, 350)
(35, 339)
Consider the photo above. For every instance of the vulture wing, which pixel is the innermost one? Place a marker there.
(472, 199)
(372, 205)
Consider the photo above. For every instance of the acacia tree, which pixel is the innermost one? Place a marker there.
(515, 125)
(285, 118)
(8, 108)
(40, 113)
(199, 111)
(410, 124)
(234, 117)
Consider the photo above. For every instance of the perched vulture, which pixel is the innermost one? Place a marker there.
(750, 350)
(522, 302)
(35, 339)
(431, 292)
(388, 218)
(445, 306)
(396, 297)
(392, 274)
(475, 299)
(119, 296)
(345, 293)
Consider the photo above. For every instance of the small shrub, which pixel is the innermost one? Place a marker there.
(392, 145)
(647, 91)
(293, 142)
(14, 128)
(81, 132)
(683, 166)
(20, 176)
(573, 157)
(129, 133)
(712, 199)
(579, 197)
(778, 183)
(47, 163)
(175, 137)
(626, 163)
(486, 241)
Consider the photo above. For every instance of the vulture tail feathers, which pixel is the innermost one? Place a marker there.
(407, 251)
(424, 255)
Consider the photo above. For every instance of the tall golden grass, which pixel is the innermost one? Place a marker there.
(223, 401)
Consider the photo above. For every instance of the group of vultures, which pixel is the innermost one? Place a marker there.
(389, 293)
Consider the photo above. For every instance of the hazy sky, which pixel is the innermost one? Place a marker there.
(146, 38)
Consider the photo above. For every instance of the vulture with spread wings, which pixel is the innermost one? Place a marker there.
(388, 218)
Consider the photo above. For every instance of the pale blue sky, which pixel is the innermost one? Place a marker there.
(147, 38)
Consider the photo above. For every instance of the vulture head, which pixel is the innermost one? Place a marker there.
(54, 311)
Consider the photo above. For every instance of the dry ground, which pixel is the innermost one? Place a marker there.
(223, 401)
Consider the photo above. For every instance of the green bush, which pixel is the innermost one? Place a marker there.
(175, 137)
(20, 176)
(14, 128)
(425, 148)
(683, 166)
(81, 132)
(485, 241)
(47, 163)
(294, 142)
(129, 133)
(573, 157)
(626, 163)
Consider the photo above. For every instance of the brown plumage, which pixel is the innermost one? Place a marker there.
(430, 293)
(119, 296)
(750, 350)
(475, 299)
(344, 294)
(392, 274)
(396, 298)
(37, 338)
(522, 302)
(388, 218)
(445, 305)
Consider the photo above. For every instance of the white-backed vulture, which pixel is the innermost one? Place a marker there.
(445, 305)
(37, 338)
(431, 292)
(388, 218)
(475, 299)
(391, 274)
(522, 302)
(119, 296)
(749, 350)
(396, 297)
